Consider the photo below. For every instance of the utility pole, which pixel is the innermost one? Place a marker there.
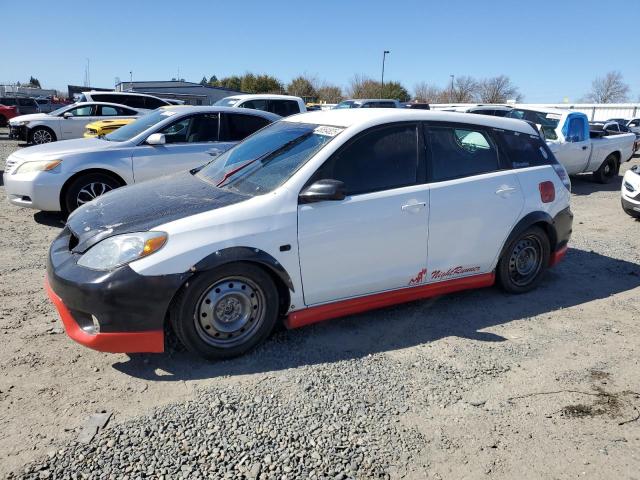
(384, 55)
(451, 95)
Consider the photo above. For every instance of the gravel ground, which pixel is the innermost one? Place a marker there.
(471, 385)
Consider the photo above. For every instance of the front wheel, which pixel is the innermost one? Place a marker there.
(87, 187)
(225, 312)
(40, 135)
(524, 261)
(607, 171)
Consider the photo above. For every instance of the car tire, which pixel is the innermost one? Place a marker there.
(41, 135)
(225, 312)
(631, 213)
(87, 187)
(607, 171)
(524, 261)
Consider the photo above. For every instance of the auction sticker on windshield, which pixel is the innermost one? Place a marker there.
(327, 131)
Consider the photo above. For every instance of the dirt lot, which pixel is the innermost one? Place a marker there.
(543, 385)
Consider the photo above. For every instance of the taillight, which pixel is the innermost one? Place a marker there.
(547, 192)
(562, 175)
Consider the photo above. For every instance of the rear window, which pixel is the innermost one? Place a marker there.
(284, 108)
(525, 150)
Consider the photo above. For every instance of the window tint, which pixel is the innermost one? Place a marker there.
(177, 132)
(108, 111)
(133, 101)
(85, 111)
(460, 152)
(380, 159)
(126, 111)
(27, 102)
(257, 104)
(8, 101)
(284, 108)
(576, 129)
(198, 128)
(153, 103)
(634, 123)
(236, 127)
(525, 150)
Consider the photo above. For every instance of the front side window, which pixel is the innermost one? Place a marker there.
(255, 104)
(194, 129)
(460, 152)
(236, 127)
(634, 123)
(380, 159)
(143, 123)
(85, 111)
(267, 159)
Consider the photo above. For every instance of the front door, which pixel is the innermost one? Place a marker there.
(73, 126)
(475, 201)
(190, 142)
(376, 238)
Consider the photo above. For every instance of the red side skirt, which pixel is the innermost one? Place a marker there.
(370, 302)
(120, 342)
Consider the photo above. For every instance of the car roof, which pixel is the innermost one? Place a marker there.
(257, 96)
(109, 92)
(558, 111)
(111, 104)
(361, 100)
(206, 108)
(369, 117)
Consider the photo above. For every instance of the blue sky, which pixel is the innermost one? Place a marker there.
(550, 49)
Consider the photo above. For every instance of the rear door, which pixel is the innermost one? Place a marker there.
(475, 200)
(235, 127)
(376, 238)
(190, 142)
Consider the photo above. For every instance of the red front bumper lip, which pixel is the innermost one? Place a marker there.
(112, 342)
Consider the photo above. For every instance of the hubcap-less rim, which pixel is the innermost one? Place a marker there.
(229, 312)
(525, 261)
(91, 191)
(42, 136)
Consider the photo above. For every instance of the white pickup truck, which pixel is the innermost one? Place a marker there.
(567, 134)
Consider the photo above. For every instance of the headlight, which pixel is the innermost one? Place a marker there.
(20, 123)
(119, 250)
(39, 166)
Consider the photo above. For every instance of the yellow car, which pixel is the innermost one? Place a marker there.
(102, 127)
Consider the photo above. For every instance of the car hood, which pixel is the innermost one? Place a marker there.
(30, 118)
(145, 205)
(65, 147)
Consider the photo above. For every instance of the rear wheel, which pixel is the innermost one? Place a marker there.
(608, 170)
(87, 187)
(225, 312)
(524, 261)
(40, 135)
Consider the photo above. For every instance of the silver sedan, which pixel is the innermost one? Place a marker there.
(61, 176)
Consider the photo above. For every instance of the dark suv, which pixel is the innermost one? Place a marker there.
(24, 105)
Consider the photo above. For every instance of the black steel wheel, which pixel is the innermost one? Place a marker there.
(607, 171)
(524, 261)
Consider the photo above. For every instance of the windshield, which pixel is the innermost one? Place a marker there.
(127, 132)
(347, 104)
(267, 159)
(539, 118)
(60, 110)
(227, 102)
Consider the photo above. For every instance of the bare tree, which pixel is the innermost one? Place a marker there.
(465, 89)
(427, 93)
(329, 93)
(608, 89)
(498, 90)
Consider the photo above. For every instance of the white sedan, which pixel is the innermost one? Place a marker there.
(64, 175)
(67, 122)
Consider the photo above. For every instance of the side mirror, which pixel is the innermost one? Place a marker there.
(67, 115)
(323, 190)
(156, 139)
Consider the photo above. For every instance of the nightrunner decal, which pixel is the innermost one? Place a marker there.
(418, 278)
(452, 272)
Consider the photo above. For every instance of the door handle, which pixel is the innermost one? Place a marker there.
(505, 189)
(413, 206)
(584, 147)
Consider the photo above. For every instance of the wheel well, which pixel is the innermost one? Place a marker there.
(549, 230)
(109, 173)
(617, 156)
(43, 127)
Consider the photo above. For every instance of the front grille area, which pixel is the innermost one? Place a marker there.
(73, 242)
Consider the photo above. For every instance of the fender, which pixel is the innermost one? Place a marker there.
(246, 254)
(526, 222)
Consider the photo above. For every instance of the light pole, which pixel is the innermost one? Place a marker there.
(384, 55)
(451, 96)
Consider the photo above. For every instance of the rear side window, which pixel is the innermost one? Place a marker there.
(153, 103)
(236, 127)
(27, 102)
(106, 110)
(133, 101)
(255, 104)
(525, 150)
(460, 152)
(380, 159)
(8, 101)
(284, 108)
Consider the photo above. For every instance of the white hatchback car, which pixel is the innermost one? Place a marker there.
(66, 122)
(630, 194)
(64, 175)
(317, 216)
